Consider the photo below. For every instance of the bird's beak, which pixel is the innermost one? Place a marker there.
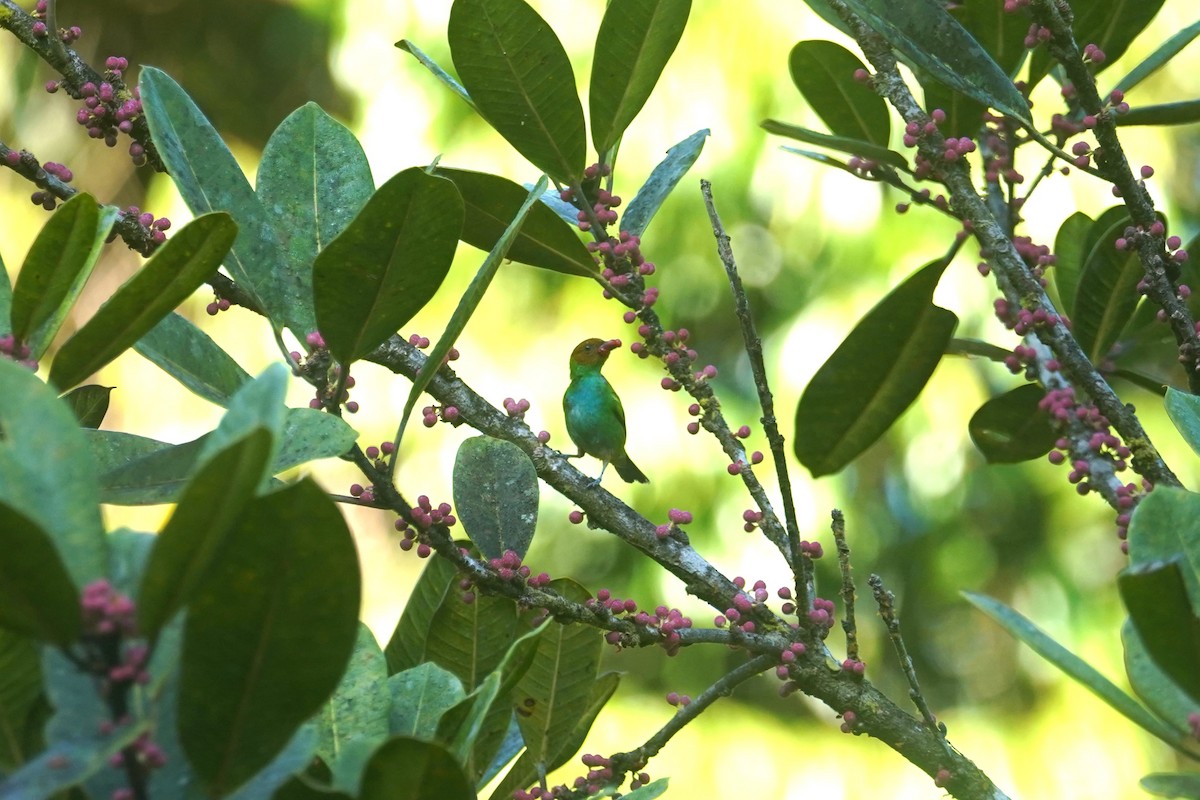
(611, 344)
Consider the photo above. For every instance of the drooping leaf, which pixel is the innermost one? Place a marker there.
(1184, 112)
(1159, 58)
(48, 472)
(874, 375)
(1107, 293)
(1073, 666)
(663, 179)
(312, 180)
(824, 74)
(407, 646)
(442, 75)
(89, 404)
(854, 147)
(285, 592)
(192, 539)
(935, 42)
(1156, 597)
(1070, 252)
(496, 495)
(387, 264)
(409, 769)
(37, 596)
(1010, 428)
(190, 356)
(634, 43)
(179, 267)
(357, 714)
(517, 72)
(467, 304)
(58, 264)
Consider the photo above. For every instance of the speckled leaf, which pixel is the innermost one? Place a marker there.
(1010, 428)
(634, 43)
(518, 74)
(190, 356)
(663, 179)
(388, 263)
(496, 495)
(358, 712)
(824, 74)
(874, 375)
(419, 697)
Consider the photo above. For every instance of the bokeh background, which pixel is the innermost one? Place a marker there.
(817, 248)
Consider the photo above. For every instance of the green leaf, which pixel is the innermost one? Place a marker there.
(1109, 24)
(1159, 58)
(496, 495)
(1072, 665)
(964, 115)
(58, 264)
(663, 179)
(1000, 33)
(1182, 113)
(650, 791)
(1011, 428)
(1107, 294)
(1166, 522)
(1184, 411)
(388, 263)
(293, 759)
(406, 648)
(358, 712)
(854, 147)
(179, 267)
(519, 76)
(5, 300)
(874, 375)
(1156, 597)
(1170, 784)
(69, 762)
(471, 639)
(89, 404)
(312, 180)
(1160, 694)
(420, 696)
(48, 473)
(1069, 253)
(192, 539)
(935, 42)
(36, 594)
(284, 592)
(461, 726)
(491, 203)
(22, 702)
(441, 74)
(633, 45)
(467, 304)
(209, 179)
(190, 356)
(556, 690)
(409, 769)
(256, 405)
(824, 74)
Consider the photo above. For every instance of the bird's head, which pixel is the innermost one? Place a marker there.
(593, 351)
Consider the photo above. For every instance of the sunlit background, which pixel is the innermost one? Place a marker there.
(817, 248)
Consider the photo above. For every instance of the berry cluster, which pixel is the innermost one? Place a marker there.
(667, 621)
(675, 518)
(424, 516)
(600, 774)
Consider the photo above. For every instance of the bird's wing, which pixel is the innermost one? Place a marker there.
(618, 409)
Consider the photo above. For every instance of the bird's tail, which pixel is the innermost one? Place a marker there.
(628, 470)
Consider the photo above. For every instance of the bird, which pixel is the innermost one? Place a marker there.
(594, 414)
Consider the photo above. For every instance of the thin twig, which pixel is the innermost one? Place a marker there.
(887, 609)
(849, 625)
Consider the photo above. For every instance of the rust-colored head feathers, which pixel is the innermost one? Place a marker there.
(593, 351)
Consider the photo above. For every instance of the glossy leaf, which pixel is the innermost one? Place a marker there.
(1156, 597)
(168, 278)
(312, 180)
(467, 304)
(253, 620)
(662, 181)
(518, 74)
(1161, 695)
(37, 596)
(357, 714)
(1159, 58)
(89, 404)
(1184, 112)
(58, 264)
(1107, 294)
(496, 495)
(209, 179)
(935, 42)
(442, 75)
(49, 473)
(824, 74)
(491, 203)
(1070, 252)
(874, 375)
(409, 769)
(22, 702)
(192, 539)
(1010, 428)
(854, 147)
(635, 40)
(1072, 665)
(190, 356)
(419, 698)
(407, 646)
(388, 263)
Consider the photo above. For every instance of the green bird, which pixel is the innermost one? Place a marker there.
(595, 417)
